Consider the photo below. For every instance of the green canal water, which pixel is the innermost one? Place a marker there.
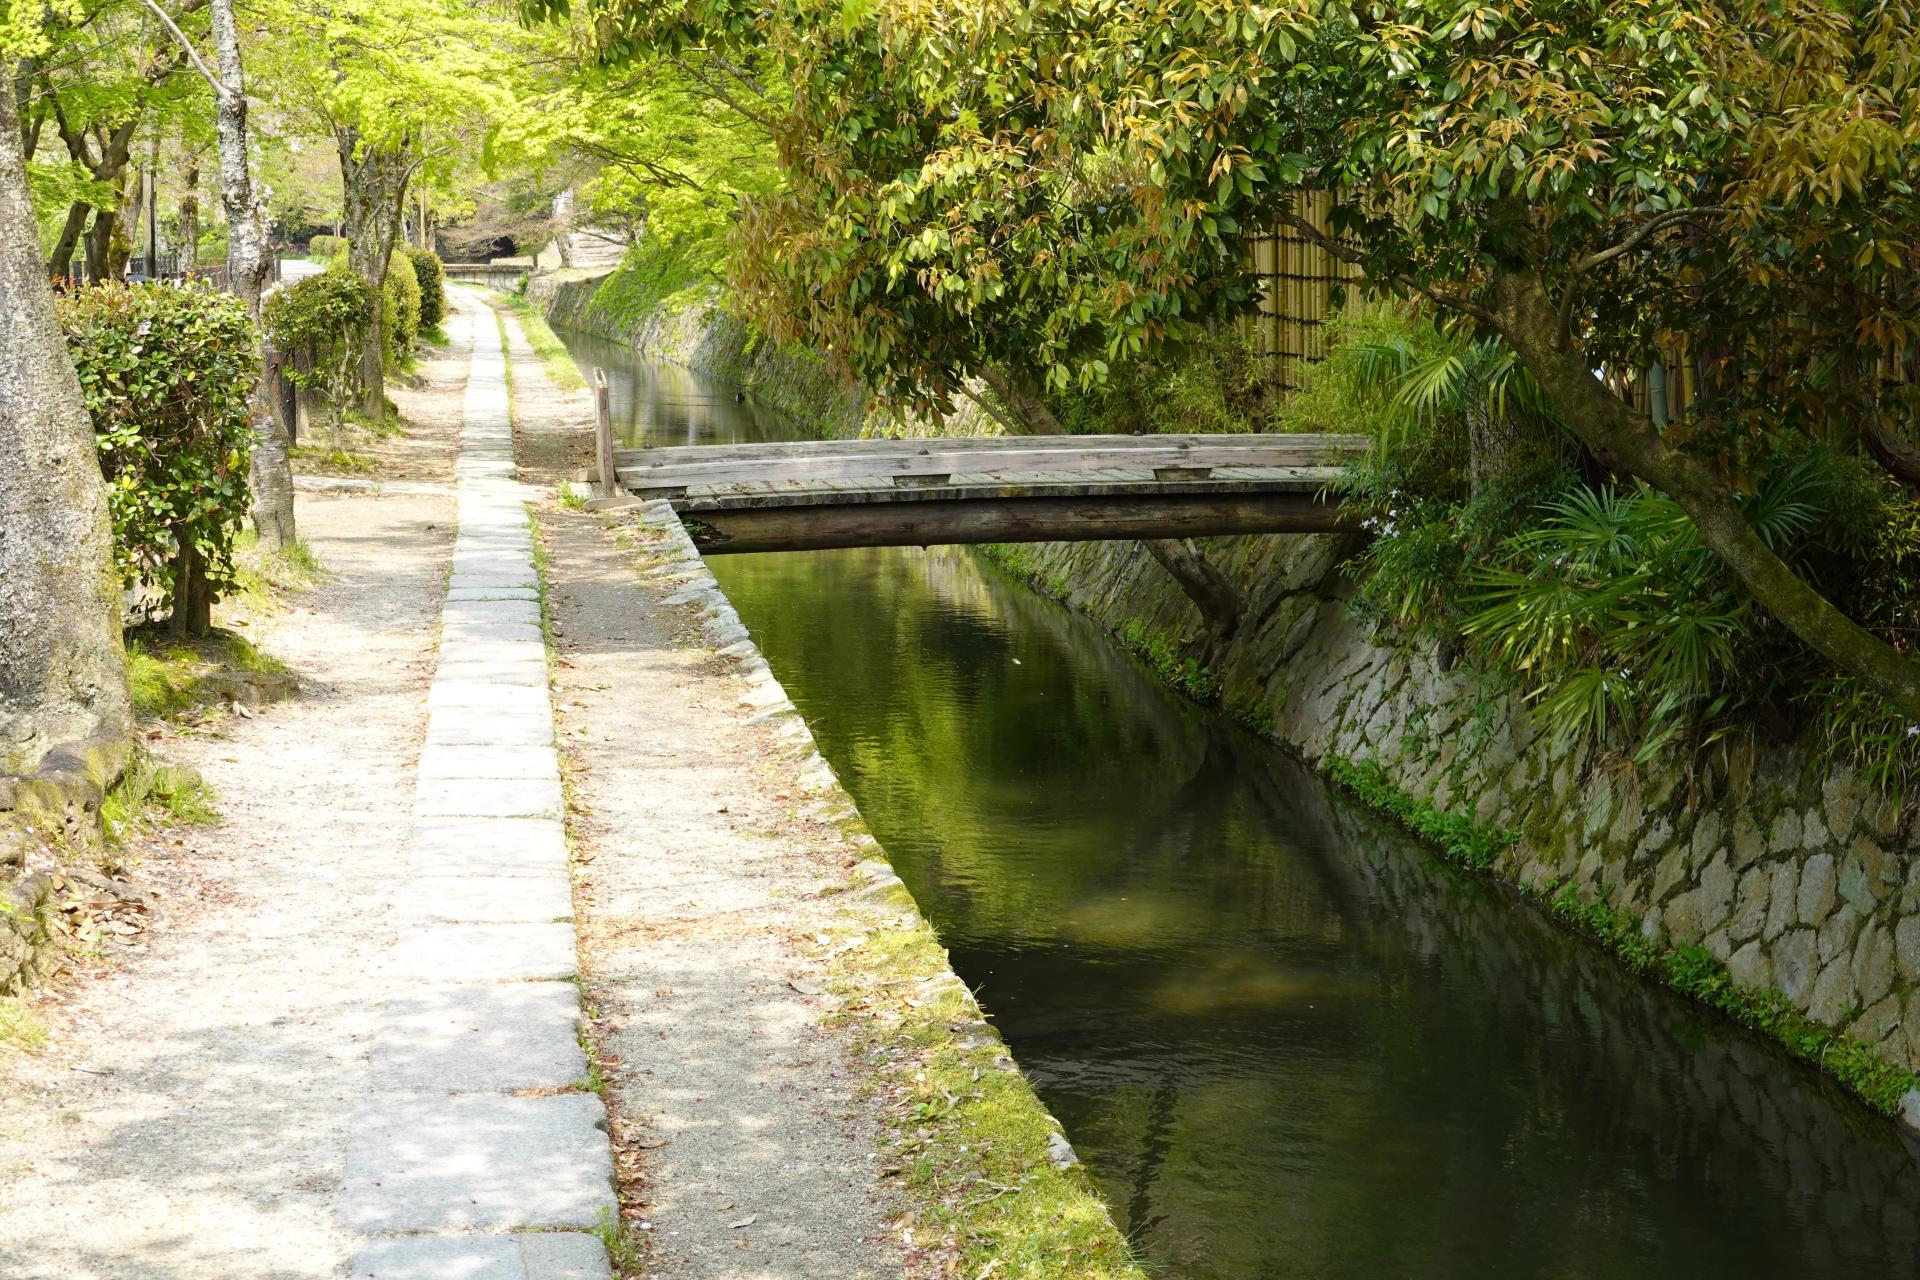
(1286, 1039)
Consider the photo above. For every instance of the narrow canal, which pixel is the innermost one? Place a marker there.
(1287, 1040)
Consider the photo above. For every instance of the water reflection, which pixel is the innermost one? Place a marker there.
(663, 404)
(1287, 1041)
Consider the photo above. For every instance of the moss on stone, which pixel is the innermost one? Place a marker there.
(1690, 970)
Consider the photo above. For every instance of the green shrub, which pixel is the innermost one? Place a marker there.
(432, 278)
(167, 372)
(400, 308)
(326, 247)
(325, 315)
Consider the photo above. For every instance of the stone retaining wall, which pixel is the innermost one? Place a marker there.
(1797, 879)
(697, 332)
(54, 809)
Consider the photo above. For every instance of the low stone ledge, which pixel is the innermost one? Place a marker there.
(54, 809)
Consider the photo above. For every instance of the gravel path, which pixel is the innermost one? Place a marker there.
(189, 1121)
(699, 872)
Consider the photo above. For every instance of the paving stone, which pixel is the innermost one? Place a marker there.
(460, 649)
(470, 595)
(466, 726)
(556, 1255)
(486, 953)
(513, 698)
(485, 899)
(474, 581)
(492, 613)
(495, 565)
(487, 798)
(503, 629)
(521, 671)
(474, 1039)
(490, 762)
(488, 847)
(479, 1163)
(540, 1255)
(491, 513)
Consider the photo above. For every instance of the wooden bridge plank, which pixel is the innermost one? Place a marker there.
(813, 495)
(670, 454)
(1054, 457)
(1019, 519)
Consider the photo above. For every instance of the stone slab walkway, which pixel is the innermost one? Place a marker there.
(480, 1030)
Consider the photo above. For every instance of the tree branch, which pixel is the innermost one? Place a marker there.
(186, 45)
(1645, 231)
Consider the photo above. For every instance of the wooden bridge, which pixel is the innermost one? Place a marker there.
(813, 494)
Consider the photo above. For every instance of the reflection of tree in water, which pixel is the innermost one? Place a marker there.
(1288, 1042)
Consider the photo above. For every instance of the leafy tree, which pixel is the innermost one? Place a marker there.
(1021, 186)
(402, 87)
(108, 70)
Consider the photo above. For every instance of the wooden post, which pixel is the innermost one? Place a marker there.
(603, 435)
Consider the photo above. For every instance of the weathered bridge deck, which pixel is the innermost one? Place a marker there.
(803, 495)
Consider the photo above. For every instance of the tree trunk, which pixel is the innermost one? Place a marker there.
(190, 218)
(99, 244)
(1628, 441)
(248, 263)
(63, 676)
(1024, 401)
(373, 183)
(60, 261)
(1219, 601)
(192, 600)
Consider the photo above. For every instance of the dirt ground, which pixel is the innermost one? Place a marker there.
(553, 429)
(186, 1120)
(429, 403)
(697, 875)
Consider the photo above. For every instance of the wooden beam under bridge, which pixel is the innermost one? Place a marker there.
(815, 526)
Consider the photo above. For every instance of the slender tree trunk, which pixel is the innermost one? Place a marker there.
(190, 217)
(373, 183)
(60, 261)
(1628, 441)
(63, 675)
(248, 263)
(1218, 600)
(99, 245)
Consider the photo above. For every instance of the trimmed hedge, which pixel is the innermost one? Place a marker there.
(168, 373)
(325, 315)
(326, 246)
(432, 278)
(400, 298)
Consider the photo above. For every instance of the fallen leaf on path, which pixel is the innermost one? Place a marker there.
(747, 1221)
